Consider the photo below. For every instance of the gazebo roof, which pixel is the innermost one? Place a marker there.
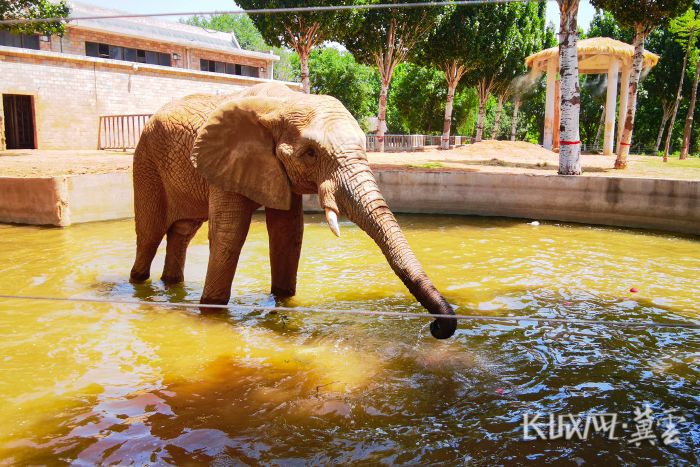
(594, 55)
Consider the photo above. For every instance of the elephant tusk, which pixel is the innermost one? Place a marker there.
(332, 219)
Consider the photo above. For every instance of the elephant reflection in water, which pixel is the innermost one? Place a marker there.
(219, 158)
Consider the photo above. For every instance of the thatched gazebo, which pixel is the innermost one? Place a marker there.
(598, 55)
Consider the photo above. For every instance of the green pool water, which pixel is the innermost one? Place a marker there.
(89, 383)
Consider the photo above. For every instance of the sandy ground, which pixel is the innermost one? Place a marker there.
(487, 156)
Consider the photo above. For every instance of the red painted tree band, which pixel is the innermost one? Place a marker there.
(568, 143)
(625, 144)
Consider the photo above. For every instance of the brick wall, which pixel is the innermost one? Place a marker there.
(71, 92)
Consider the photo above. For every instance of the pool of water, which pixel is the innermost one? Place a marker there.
(119, 384)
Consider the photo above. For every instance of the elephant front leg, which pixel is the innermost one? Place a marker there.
(285, 230)
(229, 222)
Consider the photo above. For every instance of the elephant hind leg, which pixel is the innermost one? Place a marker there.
(179, 236)
(146, 247)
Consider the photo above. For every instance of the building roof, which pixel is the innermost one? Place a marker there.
(594, 46)
(159, 30)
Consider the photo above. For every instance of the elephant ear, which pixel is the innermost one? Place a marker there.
(235, 151)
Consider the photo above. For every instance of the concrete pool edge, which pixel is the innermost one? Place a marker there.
(649, 203)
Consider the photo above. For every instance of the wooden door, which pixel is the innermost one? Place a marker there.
(19, 121)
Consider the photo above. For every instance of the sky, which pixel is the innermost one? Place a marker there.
(585, 14)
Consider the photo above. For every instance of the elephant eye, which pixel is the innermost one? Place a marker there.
(310, 153)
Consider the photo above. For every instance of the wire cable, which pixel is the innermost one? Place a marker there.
(331, 311)
(263, 11)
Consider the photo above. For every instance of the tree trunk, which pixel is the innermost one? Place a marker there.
(484, 93)
(497, 121)
(381, 115)
(664, 119)
(570, 144)
(453, 73)
(637, 63)
(689, 116)
(514, 122)
(304, 62)
(676, 104)
(601, 122)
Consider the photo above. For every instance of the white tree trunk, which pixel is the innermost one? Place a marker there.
(497, 121)
(514, 121)
(447, 124)
(689, 116)
(637, 63)
(570, 144)
(480, 120)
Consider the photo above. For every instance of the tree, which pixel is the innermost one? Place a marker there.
(493, 33)
(384, 38)
(247, 35)
(454, 28)
(685, 29)
(644, 16)
(570, 102)
(299, 31)
(29, 9)
(417, 100)
(528, 36)
(337, 74)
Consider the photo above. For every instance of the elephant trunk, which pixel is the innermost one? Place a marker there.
(355, 190)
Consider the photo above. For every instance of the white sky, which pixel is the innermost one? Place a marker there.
(585, 14)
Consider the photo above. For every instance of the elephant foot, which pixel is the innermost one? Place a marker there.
(212, 301)
(172, 279)
(138, 277)
(283, 292)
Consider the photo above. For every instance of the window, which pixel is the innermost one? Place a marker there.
(23, 41)
(228, 68)
(115, 52)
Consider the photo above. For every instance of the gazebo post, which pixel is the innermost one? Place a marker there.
(624, 93)
(549, 104)
(610, 101)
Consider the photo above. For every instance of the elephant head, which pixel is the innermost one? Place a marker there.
(276, 143)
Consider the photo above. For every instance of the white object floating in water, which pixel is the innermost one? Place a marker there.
(535, 223)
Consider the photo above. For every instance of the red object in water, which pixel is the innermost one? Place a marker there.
(634, 290)
(500, 391)
(567, 303)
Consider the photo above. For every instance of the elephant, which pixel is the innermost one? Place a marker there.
(218, 158)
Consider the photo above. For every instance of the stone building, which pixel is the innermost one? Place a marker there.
(55, 89)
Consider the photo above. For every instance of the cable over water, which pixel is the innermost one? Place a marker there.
(396, 314)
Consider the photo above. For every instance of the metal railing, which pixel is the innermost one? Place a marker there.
(120, 131)
(393, 143)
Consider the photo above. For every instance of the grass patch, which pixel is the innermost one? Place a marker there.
(654, 161)
(427, 165)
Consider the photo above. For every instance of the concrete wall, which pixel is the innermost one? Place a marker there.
(672, 205)
(71, 91)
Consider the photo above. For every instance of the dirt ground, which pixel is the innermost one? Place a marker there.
(487, 156)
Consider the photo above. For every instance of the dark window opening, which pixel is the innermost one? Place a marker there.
(22, 41)
(18, 113)
(228, 68)
(115, 52)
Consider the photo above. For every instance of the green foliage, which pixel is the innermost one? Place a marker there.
(417, 102)
(685, 28)
(248, 36)
(337, 74)
(276, 29)
(371, 30)
(643, 14)
(29, 9)
(604, 24)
